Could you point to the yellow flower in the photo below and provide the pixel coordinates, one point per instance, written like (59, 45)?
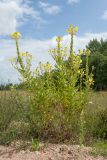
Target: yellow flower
(80, 52)
(78, 71)
(72, 30)
(16, 35)
(88, 52)
(91, 81)
(25, 54)
(47, 67)
(59, 39)
(22, 53)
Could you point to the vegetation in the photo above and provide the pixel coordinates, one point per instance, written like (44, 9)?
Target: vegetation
(100, 148)
(13, 124)
(98, 59)
(6, 86)
(58, 98)
(56, 104)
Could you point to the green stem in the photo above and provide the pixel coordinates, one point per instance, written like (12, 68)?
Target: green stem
(18, 54)
(71, 45)
(71, 49)
(81, 137)
(87, 73)
(58, 52)
(59, 47)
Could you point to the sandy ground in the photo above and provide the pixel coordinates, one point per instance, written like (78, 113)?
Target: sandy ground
(51, 152)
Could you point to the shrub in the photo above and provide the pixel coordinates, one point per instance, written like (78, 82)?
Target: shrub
(57, 95)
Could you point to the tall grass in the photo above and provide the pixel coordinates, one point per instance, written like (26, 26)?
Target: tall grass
(13, 108)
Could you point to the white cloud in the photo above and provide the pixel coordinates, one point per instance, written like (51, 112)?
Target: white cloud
(104, 16)
(73, 1)
(13, 13)
(39, 49)
(49, 8)
(81, 41)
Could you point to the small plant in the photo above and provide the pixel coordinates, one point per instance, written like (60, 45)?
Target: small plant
(35, 145)
(100, 149)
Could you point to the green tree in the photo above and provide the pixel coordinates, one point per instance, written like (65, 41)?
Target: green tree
(94, 46)
(98, 60)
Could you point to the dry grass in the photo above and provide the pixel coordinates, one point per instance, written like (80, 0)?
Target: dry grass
(98, 99)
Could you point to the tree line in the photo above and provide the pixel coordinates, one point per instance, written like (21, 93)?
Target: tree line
(98, 63)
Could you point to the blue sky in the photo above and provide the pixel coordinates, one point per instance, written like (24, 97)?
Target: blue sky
(87, 14)
(40, 21)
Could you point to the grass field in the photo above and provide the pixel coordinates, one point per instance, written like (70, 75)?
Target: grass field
(98, 99)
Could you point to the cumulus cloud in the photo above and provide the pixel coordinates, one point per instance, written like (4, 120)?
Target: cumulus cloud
(13, 13)
(49, 8)
(73, 1)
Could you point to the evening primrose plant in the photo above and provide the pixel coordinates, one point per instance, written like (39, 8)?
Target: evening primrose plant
(22, 63)
(58, 93)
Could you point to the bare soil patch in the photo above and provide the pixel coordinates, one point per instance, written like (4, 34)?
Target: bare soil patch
(51, 152)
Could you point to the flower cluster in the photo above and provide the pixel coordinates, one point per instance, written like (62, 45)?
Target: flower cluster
(47, 67)
(25, 54)
(72, 30)
(16, 35)
(59, 39)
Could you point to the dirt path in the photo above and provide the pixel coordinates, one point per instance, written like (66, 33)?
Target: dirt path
(52, 152)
